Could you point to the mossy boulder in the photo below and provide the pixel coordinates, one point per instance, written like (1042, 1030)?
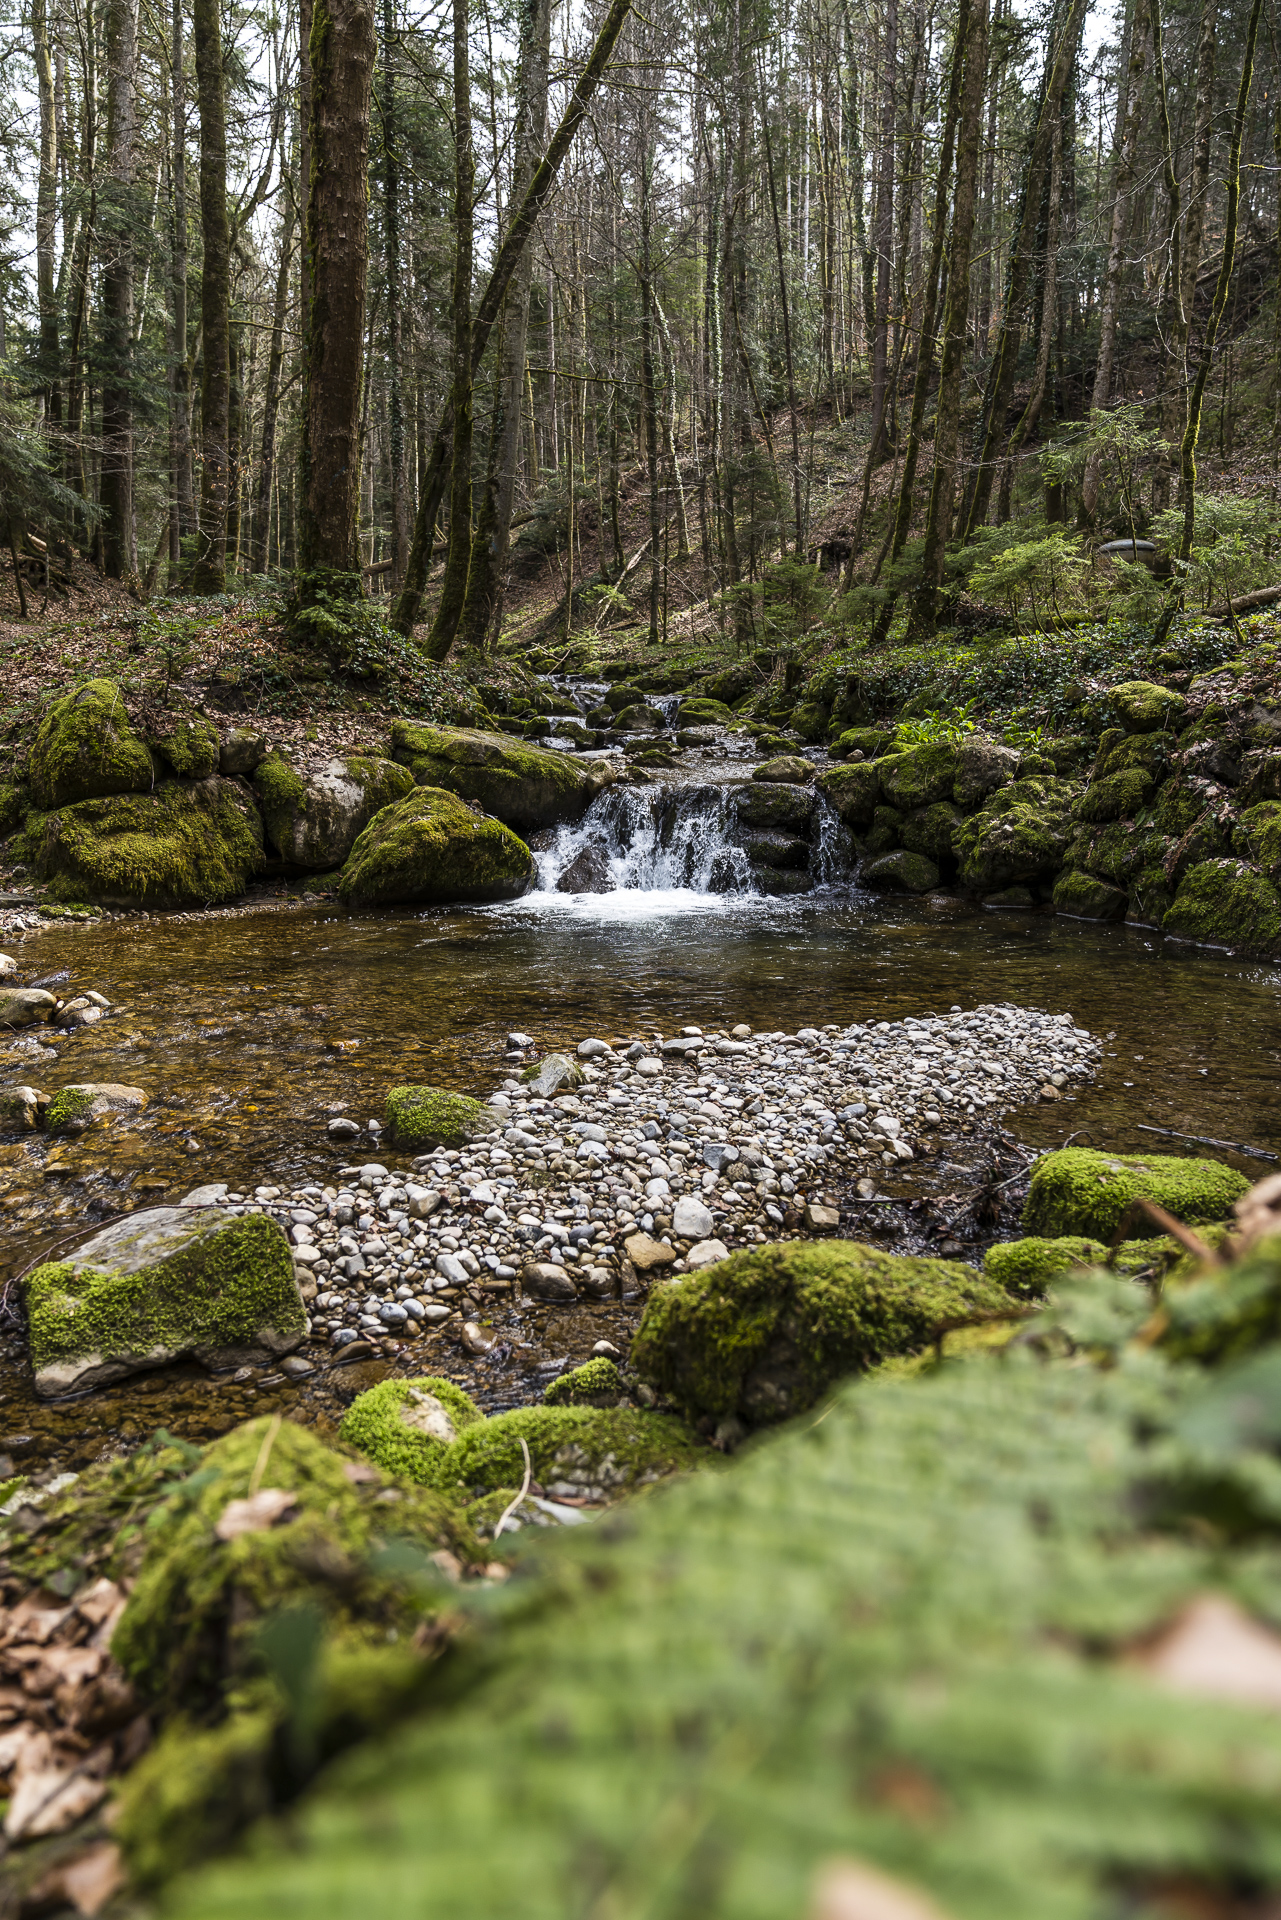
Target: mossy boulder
(1120, 752)
(852, 791)
(931, 830)
(185, 845)
(785, 808)
(423, 1117)
(522, 786)
(1084, 897)
(1260, 778)
(188, 745)
(900, 872)
(242, 750)
(1081, 1191)
(982, 765)
(789, 769)
(639, 718)
(157, 1286)
(703, 712)
(74, 1109)
(15, 804)
(811, 720)
(597, 1383)
(886, 832)
(1028, 1267)
(1151, 897)
(313, 819)
(1223, 903)
(85, 749)
(766, 849)
(1258, 838)
(1181, 803)
(918, 776)
(870, 742)
(763, 1334)
(1117, 796)
(1117, 850)
(1143, 707)
(1020, 835)
(577, 1451)
(403, 1425)
(432, 849)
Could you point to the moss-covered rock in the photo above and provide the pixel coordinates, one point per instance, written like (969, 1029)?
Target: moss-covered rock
(763, 1334)
(1151, 896)
(188, 745)
(403, 1425)
(786, 809)
(918, 776)
(1083, 897)
(423, 1117)
(85, 748)
(640, 718)
(75, 1108)
(885, 834)
(1143, 707)
(1120, 752)
(853, 792)
(157, 1285)
(900, 872)
(15, 804)
(597, 1383)
(1117, 851)
(1258, 838)
(788, 770)
(1223, 903)
(811, 719)
(931, 831)
(579, 1451)
(313, 819)
(1204, 840)
(181, 846)
(522, 786)
(1260, 777)
(1027, 1267)
(700, 711)
(871, 742)
(1080, 1191)
(982, 765)
(766, 849)
(242, 750)
(431, 848)
(1180, 804)
(1118, 796)
(1020, 835)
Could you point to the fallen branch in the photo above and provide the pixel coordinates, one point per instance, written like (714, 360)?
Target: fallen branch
(1247, 602)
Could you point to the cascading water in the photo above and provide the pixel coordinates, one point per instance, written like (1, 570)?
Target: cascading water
(649, 840)
(835, 854)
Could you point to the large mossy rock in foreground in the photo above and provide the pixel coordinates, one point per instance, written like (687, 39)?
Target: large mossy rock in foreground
(160, 1285)
(523, 786)
(181, 846)
(431, 849)
(763, 1334)
(313, 819)
(1020, 835)
(1081, 1191)
(423, 1117)
(925, 1630)
(85, 748)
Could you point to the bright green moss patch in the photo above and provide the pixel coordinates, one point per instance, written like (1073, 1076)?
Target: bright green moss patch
(918, 776)
(522, 785)
(422, 1117)
(431, 848)
(68, 1110)
(763, 1334)
(181, 846)
(1142, 707)
(189, 747)
(853, 791)
(597, 1383)
(1221, 903)
(613, 1449)
(403, 1425)
(1081, 1191)
(85, 748)
(1020, 834)
(1027, 1267)
(1117, 796)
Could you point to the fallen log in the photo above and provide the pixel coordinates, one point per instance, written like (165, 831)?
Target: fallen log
(1248, 602)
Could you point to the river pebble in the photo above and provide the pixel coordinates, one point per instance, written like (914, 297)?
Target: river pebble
(691, 1144)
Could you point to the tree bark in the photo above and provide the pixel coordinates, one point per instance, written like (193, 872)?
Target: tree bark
(180, 402)
(395, 370)
(342, 48)
(119, 541)
(453, 590)
(46, 215)
(271, 391)
(210, 571)
(883, 239)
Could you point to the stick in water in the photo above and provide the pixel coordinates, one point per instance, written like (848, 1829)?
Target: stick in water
(1204, 1140)
(509, 1511)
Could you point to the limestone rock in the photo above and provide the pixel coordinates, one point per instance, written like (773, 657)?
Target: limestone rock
(313, 819)
(20, 1108)
(1081, 1191)
(853, 791)
(547, 1281)
(75, 1108)
(521, 785)
(1142, 707)
(85, 748)
(821, 1219)
(706, 1254)
(161, 1285)
(784, 808)
(982, 765)
(8, 966)
(918, 776)
(243, 749)
(647, 1254)
(691, 1220)
(24, 1006)
(901, 872)
(1224, 903)
(639, 719)
(1020, 835)
(552, 1073)
(431, 848)
(788, 770)
(1083, 897)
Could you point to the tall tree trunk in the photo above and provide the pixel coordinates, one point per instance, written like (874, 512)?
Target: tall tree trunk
(342, 51)
(1128, 120)
(453, 590)
(180, 400)
(1045, 331)
(210, 571)
(883, 239)
(792, 408)
(46, 215)
(482, 606)
(395, 369)
(75, 468)
(119, 541)
(649, 384)
(271, 393)
(1185, 254)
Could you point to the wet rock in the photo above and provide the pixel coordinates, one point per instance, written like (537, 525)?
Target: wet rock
(901, 872)
(593, 1050)
(243, 749)
(431, 848)
(421, 1117)
(8, 966)
(982, 765)
(162, 1284)
(1010, 900)
(84, 1011)
(341, 1128)
(776, 850)
(788, 770)
(85, 749)
(521, 785)
(931, 830)
(783, 808)
(544, 1280)
(647, 1254)
(588, 872)
(1083, 897)
(1224, 903)
(183, 845)
(75, 1108)
(24, 1006)
(699, 710)
(313, 819)
(853, 792)
(20, 1108)
(639, 719)
(782, 881)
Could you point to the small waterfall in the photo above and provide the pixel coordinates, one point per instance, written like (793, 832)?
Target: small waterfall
(833, 859)
(648, 840)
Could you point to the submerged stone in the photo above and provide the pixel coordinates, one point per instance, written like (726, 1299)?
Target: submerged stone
(160, 1285)
(85, 749)
(431, 848)
(521, 785)
(1080, 1191)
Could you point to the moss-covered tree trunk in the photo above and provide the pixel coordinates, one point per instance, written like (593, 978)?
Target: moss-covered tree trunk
(119, 539)
(341, 56)
(209, 575)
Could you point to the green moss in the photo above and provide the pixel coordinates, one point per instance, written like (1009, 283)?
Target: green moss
(697, 709)
(521, 785)
(1222, 903)
(181, 846)
(1142, 707)
(282, 793)
(1179, 805)
(918, 776)
(1020, 834)
(615, 1448)
(15, 803)
(931, 831)
(900, 872)
(403, 1424)
(811, 720)
(869, 741)
(1026, 1267)
(765, 1333)
(1084, 898)
(85, 748)
(69, 1111)
(1081, 1191)
(853, 791)
(422, 1117)
(886, 832)
(189, 747)
(1118, 851)
(214, 1291)
(431, 848)
(597, 1383)
(1123, 753)
(786, 808)
(1117, 796)
(1258, 838)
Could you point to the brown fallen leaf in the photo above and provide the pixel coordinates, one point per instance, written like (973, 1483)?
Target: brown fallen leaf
(1215, 1649)
(262, 1511)
(32, 1622)
(96, 1602)
(13, 1741)
(56, 1665)
(92, 1879)
(851, 1890)
(46, 1797)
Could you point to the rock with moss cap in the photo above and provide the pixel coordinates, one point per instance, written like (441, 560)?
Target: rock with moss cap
(597, 1383)
(432, 849)
(1143, 707)
(181, 846)
(1117, 796)
(521, 785)
(788, 770)
(900, 872)
(161, 1285)
(869, 742)
(593, 1453)
(982, 765)
(785, 808)
(243, 749)
(1081, 1191)
(1224, 903)
(762, 1335)
(1081, 896)
(853, 791)
(74, 1109)
(313, 819)
(403, 1425)
(701, 711)
(423, 1117)
(931, 831)
(918, 776)
(85, 748)
(187, 744)
(1027, 1267)
(1020, 835)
